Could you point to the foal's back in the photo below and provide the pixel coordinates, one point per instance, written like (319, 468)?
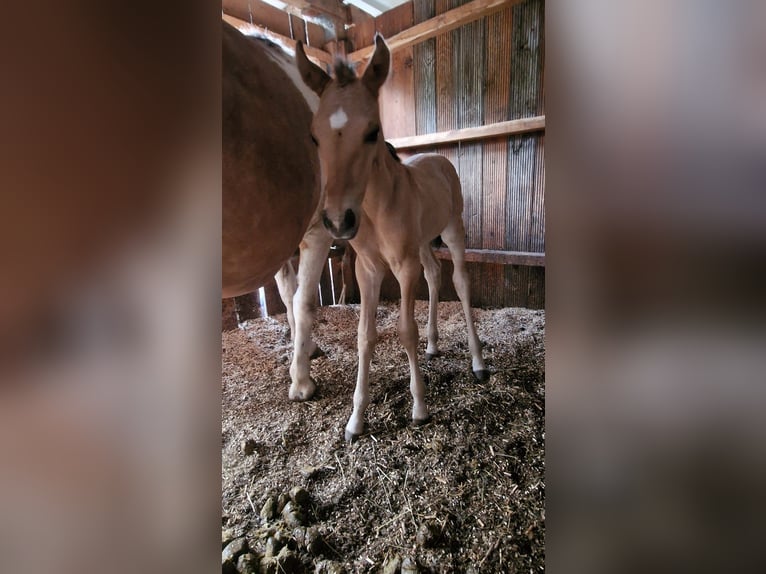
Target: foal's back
(438, 188)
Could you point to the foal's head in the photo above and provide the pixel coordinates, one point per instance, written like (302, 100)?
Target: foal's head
(346, 129)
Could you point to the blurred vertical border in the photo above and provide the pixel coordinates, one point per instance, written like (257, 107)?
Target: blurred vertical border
(656, 171)
(110, 286)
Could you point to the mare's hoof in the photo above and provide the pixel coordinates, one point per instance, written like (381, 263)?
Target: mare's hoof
(430, 356)
(482, 375)
(316, 354)
(421, 422)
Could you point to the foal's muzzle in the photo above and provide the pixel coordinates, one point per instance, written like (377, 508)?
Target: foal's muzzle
(346, 229)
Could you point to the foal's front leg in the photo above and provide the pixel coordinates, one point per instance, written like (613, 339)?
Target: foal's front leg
(369, 276)
(314, 248)
(407, 274)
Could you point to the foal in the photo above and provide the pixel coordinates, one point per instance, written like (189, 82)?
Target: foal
(390, 212)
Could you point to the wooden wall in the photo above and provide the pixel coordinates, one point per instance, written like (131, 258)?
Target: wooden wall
(487, 71)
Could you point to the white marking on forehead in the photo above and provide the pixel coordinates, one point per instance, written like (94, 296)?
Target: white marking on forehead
(338, 119)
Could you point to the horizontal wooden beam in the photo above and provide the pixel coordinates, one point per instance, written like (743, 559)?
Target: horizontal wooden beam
(438, 25)
(499, 257)
(319, 56)
(509, 128)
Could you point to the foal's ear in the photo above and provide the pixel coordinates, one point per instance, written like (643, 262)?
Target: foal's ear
(377, 70)
(313, 76)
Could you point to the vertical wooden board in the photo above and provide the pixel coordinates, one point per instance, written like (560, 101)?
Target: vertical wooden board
(397, 97)
(495, 280)
(469, 74)
(497, 78)
(477, 281)
(515, 279)
(467, 103)
(424, 77)
(526, 60)
(541, 65)
(521, 159)
(445, 64)
(317, 36)
(395, 20)
(496, 104)
(537, 215)
(248, 306)
(422, 10)
(470, 160)
(494, 194)
(362, 31)
(536, 297)
(228, 315)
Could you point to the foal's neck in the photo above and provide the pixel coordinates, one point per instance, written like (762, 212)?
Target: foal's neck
(385, 172)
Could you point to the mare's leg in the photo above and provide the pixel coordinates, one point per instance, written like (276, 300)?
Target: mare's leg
(432, 268)
(407, 274)
(287, 284)
(369, 275)
(454, 237)
(314, 249)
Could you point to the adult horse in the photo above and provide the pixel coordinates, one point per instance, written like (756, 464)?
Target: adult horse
(271, 183)
(390, 212)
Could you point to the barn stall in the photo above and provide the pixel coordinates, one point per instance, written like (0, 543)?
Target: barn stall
(464, 492)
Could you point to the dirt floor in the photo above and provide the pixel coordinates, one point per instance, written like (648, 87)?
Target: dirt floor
(463, 493)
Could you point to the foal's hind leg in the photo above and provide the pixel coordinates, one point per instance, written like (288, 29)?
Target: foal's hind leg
(407, 273)
(314, 249)
(454, 237)
(432, 268)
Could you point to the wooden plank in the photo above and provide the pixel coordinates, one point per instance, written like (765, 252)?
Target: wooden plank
(438, 25)
(319, 56)
(397, 96)
(526, 60)
(317, 10)
(496, 256)
(510, 127)
(521, 188)
(446, 89)
(496, 104)
(362, 30)
(229, 319)
(424, 66)
(469, 103)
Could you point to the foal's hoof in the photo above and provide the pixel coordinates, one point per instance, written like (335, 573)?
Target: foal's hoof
(300, 393)
(430, 356)
(482, 375)
(421, 422)
(350, 436)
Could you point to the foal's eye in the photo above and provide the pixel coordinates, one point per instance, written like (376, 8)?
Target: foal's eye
(372, 136)
(313, 139)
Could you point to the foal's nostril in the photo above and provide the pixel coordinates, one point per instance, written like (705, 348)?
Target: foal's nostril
(326, 221)
(349, 220)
